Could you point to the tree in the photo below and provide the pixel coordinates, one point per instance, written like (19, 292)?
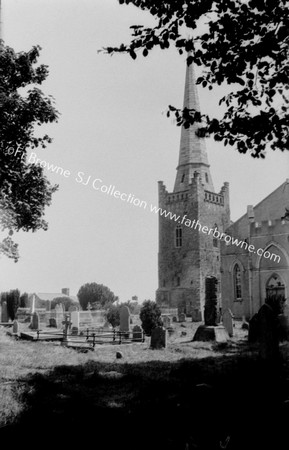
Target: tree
(65, 301)
(25, 191)
(113, 315)
(133, 306)
(13, 301)
(23, 301)
(150, 316)
(94, 293)
(244, 43)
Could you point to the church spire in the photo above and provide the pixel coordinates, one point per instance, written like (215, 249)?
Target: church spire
(193, 156)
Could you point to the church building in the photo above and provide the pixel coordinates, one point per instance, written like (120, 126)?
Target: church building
(190, 220)
(188, 250)
(249, 277)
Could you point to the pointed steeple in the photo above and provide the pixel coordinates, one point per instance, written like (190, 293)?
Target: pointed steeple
(193, 156)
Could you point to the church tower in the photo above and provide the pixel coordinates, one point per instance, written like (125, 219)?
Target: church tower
(189, 251)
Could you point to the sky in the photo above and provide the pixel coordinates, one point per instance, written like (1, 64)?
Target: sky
(113, 127)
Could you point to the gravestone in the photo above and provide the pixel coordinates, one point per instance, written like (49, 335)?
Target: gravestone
(182, 317)
(221, 335)
(166, 321)
(4, 313)
(283, 327)
(59, 316)
(74, 317)
(228, 321)
(74, 331)
(268, 333)
(206, 333)
(196, 315)
(283, 323)
(175, 319)
(286, 310)
(210, 314)
(137, 333)
(124, 316)
(253, 334)
(158, 338)
(52, 322)
(107, 326)
(33, 304)
(35, 321)
(15, 328)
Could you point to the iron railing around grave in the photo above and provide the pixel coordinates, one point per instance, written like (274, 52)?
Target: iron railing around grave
(93, 337)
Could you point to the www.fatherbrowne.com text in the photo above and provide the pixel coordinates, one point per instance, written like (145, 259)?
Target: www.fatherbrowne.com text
(111, 190)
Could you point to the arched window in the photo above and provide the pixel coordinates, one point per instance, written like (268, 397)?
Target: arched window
(179, 236)
(237, 283)
(183, 178)
(275, 286)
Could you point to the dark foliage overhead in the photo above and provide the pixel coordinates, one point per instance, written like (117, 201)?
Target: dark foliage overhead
(25, 191)
(240, 42)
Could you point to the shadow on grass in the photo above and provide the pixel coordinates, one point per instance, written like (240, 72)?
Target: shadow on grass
(232, 402)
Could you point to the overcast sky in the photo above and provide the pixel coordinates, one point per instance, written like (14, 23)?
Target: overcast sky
(112, 127)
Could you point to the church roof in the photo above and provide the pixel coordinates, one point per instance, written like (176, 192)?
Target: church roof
(48, 296)
(271, 207)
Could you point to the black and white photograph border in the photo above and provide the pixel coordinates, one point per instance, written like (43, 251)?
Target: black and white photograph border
(144, 212)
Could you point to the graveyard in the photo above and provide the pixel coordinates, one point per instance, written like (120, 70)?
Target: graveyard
(175, 393)
(70, 371)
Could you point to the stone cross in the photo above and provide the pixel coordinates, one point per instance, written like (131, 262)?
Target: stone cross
(67, 323)
(33, 304)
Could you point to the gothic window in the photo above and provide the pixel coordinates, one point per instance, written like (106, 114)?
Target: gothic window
(275, 286)
(207, 178)
(178, 280)
(179, 236)
(237, 283)
(183, 178)
(164, 283)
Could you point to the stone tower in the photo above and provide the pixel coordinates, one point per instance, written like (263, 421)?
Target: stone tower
(188, 250)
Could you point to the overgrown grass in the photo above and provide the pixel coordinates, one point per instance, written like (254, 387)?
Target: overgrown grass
(171, 394)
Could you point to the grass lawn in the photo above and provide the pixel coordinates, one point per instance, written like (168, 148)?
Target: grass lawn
(188, 396)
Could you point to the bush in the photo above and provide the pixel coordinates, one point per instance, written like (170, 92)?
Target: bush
(98, 295)
(13, 301)
(150, 316)
(277, 303)
(65, 301)
(112, 316)
(24, 300)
